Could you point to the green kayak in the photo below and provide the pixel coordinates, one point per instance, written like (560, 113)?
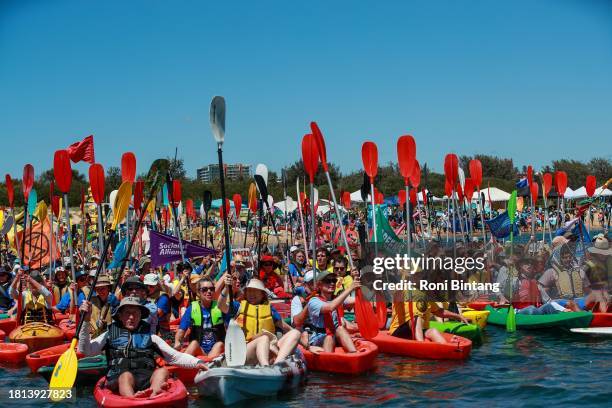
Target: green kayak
(469, 331)
(90, 370)
(3, 316)
(568, 320)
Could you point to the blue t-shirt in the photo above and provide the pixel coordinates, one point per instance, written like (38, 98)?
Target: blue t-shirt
(316, 317)
(163, 303)
(236, 308)
(64, 302)
(294, 271)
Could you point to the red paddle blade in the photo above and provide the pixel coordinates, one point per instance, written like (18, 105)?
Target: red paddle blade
(379, 198)
(448, 189)
(381, 314)
(237, 204)
(468, 188)
(225, 209)
(413, 197)
(138, 194)
(476, 172)
(529, 175)
(310, 156)
(366, 319)
(253, 198)
(316, 132)
(534, 191)
(547, 183)
(406, 156)
(561, 182)
(10, 191)
(55, 207)
(401, 196)
(451, 168)
(346, 199)
(415, 177)
(96, 182)
(591, 183)
(424, 196)
(62, 170)
(369, 156)
(176, 193)
(128, 167)
(28, 180)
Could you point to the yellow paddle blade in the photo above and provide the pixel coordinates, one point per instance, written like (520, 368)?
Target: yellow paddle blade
(122, 203)
(41, 211)
(65, 371)
(151, 208)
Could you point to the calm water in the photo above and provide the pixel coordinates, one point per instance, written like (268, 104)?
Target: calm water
(525, 368)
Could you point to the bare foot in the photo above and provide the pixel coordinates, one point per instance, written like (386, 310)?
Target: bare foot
(315, 349)
(141, 393)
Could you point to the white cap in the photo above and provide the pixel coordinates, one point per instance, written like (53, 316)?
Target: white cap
(16, 268)
(293, 249)
(92, 273)
(309, 276)
(151, 279)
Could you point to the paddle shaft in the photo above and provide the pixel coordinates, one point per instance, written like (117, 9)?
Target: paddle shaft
(374, 216)
(313, 231)
(342, 232)
(408, 233)
(225, 226)
(100, 232)
(69, 228)
(297, 185)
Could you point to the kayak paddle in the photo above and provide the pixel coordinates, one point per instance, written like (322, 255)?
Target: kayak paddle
(406, 156)
(65, 371)
(235, 342)
(310, 158)
(511, 321)
(366, 319)
(369, 157)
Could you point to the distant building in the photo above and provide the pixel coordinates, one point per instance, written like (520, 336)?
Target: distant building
(210, 173)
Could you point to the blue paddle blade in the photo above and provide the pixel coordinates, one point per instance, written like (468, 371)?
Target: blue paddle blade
(165, 195)
(32, 201)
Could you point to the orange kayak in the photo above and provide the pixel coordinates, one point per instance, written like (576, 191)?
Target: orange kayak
(342, 362)
(459, 349)
(8, 325)
(174, 396)
(46, 357)
(37, 335)
(68, 327)
(601, 320)
(13, 353)
(2, 335)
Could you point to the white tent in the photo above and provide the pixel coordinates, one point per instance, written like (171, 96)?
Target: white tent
(578, 193)
(291, 205)
(356, 197)
(607, 192)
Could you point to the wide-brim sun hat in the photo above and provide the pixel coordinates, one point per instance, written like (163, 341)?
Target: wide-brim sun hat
(601, 246)
(132, 301)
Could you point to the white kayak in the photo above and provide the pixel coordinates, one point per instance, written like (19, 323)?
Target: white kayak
(593, 330)
(231, 385)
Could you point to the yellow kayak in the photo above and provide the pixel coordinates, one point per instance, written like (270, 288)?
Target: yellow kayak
(477, 317)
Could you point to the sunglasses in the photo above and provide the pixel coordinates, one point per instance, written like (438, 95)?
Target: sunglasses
(207, 289)
(131, 288)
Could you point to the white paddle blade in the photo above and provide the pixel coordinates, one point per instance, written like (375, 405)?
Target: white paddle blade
(217, 118)
(262, 170)
(462, 178)
(316, 196)
(111, 199)
(235, 345)
(270, 202)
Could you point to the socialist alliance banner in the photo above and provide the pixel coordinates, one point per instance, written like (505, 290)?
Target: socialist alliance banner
(165, 248)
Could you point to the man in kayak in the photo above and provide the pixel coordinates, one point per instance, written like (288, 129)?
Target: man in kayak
(60, 284)
(564, 281)
(259, 321)
(133, 286)
(162, 301)
(6, 301)
(67, 299)
(131, 350)
(598, 268)
(323, 311)
(101, 300)
(206, 322)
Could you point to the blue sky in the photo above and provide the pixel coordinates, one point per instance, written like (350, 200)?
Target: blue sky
(529, 80)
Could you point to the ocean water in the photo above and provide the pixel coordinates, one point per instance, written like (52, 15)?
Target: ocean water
(526, 368)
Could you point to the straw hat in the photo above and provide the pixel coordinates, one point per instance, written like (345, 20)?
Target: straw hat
(601, 246)
(103, 280)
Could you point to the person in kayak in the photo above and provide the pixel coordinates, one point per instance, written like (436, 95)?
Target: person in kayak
(101, 300)
(322, 308)
(68, 298)
(60, 284)
(323, 260)
(36, 298)
(7, 303)
(131, 350)
(206, 322)
(133, 286)
(404, 313)
(269, 276)
(598, 268)
(528, 292)
(162, 301)
(340, 267)
(260, 321)
(564, 281)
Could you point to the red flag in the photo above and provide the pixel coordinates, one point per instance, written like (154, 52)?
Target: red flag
(82, 151)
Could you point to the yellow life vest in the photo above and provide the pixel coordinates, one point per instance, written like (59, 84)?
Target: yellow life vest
(35, 310)
(569, 283)
(98, 326)
(58, 293)
(255, 318)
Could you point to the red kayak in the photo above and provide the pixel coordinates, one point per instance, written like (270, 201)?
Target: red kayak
(2, 335)
(58, 317)
(601, 320)
(13, 353)
(47, 357)
(174, 396)
(8, 325)
(458, 348)
(481, 305)
(342, 362)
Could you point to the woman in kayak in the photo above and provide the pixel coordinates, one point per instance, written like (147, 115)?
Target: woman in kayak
(260, 321)
(323, 310)
(269, 276)
(36, 298)
(420, 312)
(206, 322)
(60, 284)
(131, 351)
